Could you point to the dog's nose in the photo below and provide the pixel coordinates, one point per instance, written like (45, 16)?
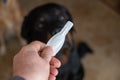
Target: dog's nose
(55, 31)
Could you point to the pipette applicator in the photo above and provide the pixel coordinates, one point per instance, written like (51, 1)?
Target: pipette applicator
(57, 41)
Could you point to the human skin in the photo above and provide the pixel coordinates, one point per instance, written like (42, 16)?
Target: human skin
(35, 62)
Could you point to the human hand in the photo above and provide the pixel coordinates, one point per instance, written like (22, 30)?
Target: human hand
(35, 62)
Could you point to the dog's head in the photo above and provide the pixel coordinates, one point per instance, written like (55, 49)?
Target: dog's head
(45, 21)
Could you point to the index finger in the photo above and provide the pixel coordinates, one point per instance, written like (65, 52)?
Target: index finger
(37, 46)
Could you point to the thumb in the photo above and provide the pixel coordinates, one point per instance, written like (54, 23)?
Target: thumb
(47, 53)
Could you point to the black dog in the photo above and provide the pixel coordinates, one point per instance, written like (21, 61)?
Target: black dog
(73, 69)
(45, 21)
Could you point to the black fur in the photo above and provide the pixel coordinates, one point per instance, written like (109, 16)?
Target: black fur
(83, 48)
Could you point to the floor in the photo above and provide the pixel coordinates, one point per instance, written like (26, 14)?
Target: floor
(95, 24)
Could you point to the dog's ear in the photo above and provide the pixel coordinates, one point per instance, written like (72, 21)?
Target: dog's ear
(25, 29)
(83, 48)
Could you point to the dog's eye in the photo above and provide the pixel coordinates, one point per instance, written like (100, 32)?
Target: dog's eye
(60, 15)
(62, 18)
(42, 19)
(40, 25)
(57, 12)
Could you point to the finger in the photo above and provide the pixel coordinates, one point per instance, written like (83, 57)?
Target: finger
(53, 71)
(52, 77)
(55, 62)
(47, 53)
(36, 45)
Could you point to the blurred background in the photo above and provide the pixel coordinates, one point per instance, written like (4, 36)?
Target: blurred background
(97, 22)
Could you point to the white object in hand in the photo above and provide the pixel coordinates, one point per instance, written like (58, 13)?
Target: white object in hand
(57, 41)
